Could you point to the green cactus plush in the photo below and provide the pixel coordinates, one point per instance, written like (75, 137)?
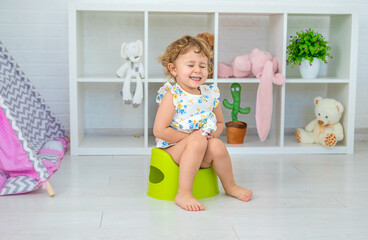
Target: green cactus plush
(235, 92)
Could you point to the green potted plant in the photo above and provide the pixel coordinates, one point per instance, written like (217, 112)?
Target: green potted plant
(235, 130)
(306, 49)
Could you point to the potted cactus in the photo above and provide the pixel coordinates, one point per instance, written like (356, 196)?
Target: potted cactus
(235, 130)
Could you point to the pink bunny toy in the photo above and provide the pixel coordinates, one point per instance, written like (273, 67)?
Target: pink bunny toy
(239, 67)
(264, 67)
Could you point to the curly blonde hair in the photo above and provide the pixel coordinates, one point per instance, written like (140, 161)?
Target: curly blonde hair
(181, 46)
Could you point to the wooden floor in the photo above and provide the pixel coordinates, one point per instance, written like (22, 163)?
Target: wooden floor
(295, 197)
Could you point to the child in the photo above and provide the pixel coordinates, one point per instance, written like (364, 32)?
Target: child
(189, 120)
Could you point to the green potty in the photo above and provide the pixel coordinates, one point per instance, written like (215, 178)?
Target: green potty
(164, 178)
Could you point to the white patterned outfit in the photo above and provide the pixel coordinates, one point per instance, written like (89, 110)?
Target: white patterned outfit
(192, 111)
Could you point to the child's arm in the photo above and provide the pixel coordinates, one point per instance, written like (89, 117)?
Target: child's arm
(164, 116)
(220, 121)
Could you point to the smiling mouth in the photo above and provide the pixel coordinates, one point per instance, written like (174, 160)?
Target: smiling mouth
(197, 79)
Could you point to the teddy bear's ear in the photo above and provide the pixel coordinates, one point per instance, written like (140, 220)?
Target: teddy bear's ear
(317, 100)
(340, 107)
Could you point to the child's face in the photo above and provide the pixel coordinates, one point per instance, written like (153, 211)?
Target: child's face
(190, 70)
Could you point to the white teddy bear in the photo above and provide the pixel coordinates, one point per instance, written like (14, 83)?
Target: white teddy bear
(326, 128)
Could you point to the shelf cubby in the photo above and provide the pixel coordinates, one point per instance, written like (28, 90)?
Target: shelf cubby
(165, 27)
(248, 99)
(101, 105)
(100, 35)
(262, 31)
(299, 114)
(337, 30)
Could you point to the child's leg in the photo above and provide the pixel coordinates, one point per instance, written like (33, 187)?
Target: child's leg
(218, 156)
(188, 154)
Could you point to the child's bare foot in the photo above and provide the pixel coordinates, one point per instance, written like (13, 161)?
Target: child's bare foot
(240, 193)
(188, 202)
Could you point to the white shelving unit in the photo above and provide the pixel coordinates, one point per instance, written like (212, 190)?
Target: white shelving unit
(101, 124)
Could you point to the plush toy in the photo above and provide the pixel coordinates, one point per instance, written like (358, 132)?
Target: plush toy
(240, 67)
(235, 106)
(326, 128)
(132, 53)
(264, 67)
(235, 130)
(209, 38)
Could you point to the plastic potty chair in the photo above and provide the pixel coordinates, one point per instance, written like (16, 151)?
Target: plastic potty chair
(164, 178)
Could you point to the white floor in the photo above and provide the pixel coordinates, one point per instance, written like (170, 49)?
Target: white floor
(295, 197)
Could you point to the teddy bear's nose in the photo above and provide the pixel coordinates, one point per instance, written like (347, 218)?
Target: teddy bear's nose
(320, 122)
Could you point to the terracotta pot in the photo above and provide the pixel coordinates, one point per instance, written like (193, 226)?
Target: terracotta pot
(235, 132)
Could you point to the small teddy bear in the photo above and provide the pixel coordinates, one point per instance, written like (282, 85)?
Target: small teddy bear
(210, 39)
(326, 128)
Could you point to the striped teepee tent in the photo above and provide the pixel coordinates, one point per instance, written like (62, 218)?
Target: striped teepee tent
(32, 140)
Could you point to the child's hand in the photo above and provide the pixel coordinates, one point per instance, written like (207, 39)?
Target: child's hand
(210, 135)
(199, 131)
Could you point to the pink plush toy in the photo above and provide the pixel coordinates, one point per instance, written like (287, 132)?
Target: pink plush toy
(239, 67)
(263, 66)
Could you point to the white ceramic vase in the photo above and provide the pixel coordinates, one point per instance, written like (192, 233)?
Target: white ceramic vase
(308, 70)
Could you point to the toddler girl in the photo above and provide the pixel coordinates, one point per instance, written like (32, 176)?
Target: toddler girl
(189, 120)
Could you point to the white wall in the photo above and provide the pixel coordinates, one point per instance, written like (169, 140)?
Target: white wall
(36, 34)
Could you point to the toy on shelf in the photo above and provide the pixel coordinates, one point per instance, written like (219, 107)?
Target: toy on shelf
(264, 67)
(325, 129)
(132, 53)
(209, 38)
(240, 67)
(235, 130)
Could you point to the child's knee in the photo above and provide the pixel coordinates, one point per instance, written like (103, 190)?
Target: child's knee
(197, 142)
(217, 143)
(217, 146)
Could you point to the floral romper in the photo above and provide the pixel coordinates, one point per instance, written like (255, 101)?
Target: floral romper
(192, 111)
